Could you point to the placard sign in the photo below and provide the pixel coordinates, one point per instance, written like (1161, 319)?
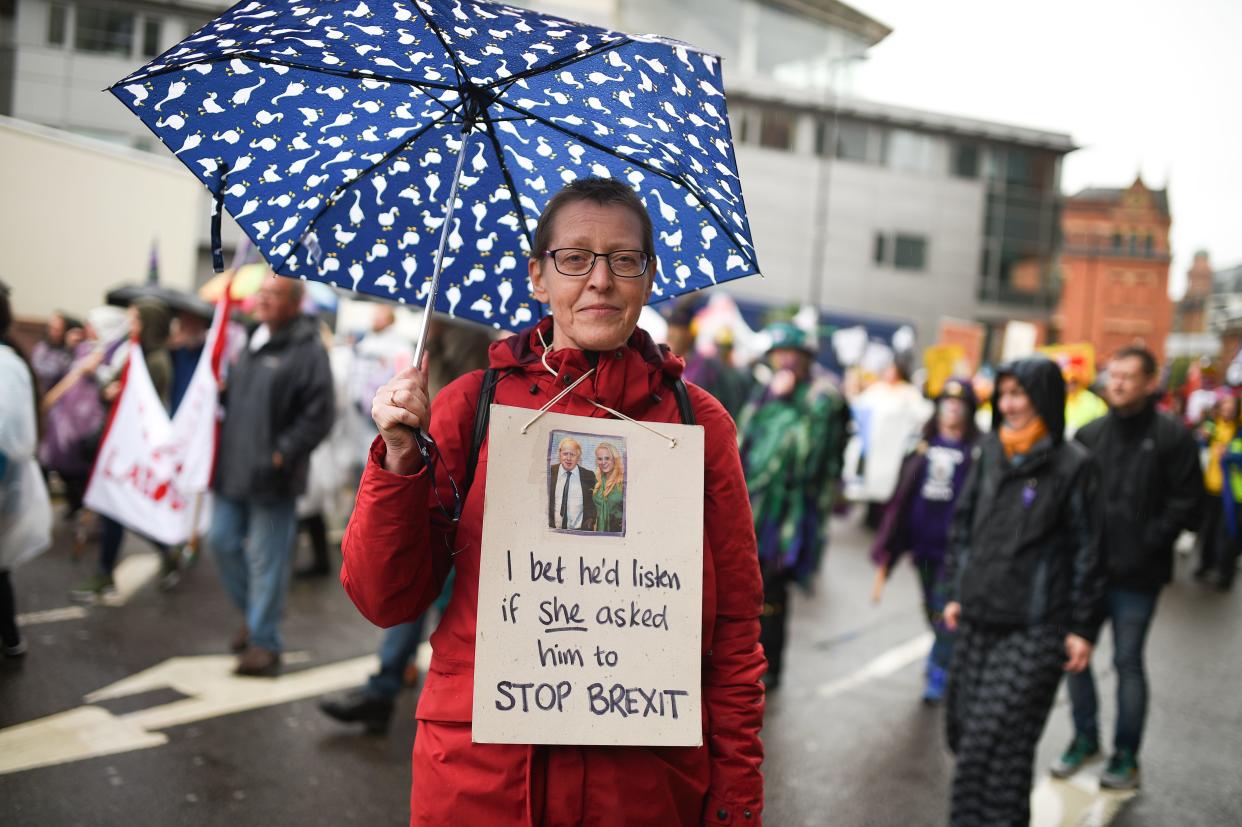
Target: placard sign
(591, 583)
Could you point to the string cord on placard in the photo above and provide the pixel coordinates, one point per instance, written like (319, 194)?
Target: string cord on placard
(672, 441)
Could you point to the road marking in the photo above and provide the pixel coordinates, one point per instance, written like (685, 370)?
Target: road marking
(85, 732)
(212, 689)
(1076, 802)
(891, 661)
(51, 616)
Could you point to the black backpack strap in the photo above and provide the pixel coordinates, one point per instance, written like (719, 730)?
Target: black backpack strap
(683, 403)
(482, 414)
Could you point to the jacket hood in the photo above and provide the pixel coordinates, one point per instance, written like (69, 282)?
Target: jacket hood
(1041, 379)
(631, 378)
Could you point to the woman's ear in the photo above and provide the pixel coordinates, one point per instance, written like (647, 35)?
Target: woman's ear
(535, 271)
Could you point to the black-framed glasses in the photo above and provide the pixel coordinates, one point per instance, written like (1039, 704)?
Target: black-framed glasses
(576, 262)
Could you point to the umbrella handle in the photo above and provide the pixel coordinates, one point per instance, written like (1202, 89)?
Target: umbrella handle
(421, 344)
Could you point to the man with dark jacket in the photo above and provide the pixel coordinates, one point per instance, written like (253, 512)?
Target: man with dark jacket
(1151, 486)
(277, 408)
(570, 504)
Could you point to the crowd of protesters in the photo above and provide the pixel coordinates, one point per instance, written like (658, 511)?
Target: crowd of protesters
(1036, 504)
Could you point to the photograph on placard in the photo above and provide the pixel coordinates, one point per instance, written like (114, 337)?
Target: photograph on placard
(586, 483)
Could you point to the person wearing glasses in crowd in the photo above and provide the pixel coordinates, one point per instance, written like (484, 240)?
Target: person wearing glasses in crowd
(593, 264)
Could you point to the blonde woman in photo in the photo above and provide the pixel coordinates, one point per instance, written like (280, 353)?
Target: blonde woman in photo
(609, 492)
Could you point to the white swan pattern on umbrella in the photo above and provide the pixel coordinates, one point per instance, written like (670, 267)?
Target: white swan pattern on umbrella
(332, 130)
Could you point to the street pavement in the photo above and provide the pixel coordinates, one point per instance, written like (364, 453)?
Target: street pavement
(127, 713)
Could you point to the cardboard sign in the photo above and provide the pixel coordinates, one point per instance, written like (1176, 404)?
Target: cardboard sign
(591, 583)
(969, 336)
(942, 363)
(1077, 359)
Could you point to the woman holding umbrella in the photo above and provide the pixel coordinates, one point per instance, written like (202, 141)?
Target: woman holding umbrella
(593, 263)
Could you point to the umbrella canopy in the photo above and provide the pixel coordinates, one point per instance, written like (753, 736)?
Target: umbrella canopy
(246, 281)
(176, 300)
(333, 132)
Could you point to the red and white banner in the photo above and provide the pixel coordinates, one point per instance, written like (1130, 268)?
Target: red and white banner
(150, 469)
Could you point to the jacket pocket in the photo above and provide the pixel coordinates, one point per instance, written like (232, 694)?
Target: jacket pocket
(266, 478)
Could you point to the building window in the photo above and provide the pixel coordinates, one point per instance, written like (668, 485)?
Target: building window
(851, 140)
(739, 125)
(1117, 242)
(776, 129)
(104, 31)
(910, 252)
(150, 36)
(1133, 245)
(965, 163)
(1019, 167)
(877, 254)
(57, 22)
(1150, 245)
(911, 151)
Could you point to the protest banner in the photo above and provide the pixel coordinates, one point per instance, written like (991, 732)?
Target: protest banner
(151, 471)
(942, 363)
(591, 583)
(969, 336)
(1076, 359)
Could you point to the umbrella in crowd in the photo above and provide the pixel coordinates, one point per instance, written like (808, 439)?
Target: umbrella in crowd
(369, 145)
(176, 300)
(244, 281)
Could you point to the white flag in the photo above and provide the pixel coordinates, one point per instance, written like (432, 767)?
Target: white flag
(151, 468)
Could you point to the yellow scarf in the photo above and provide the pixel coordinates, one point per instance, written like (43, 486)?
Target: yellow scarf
(1022, 440)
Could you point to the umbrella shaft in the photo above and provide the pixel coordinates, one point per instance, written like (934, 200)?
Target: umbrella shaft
(421, 345)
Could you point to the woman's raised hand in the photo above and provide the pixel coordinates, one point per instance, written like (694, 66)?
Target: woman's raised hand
(400, 407)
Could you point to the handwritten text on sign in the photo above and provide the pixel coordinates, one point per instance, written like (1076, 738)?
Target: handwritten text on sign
(587, 636)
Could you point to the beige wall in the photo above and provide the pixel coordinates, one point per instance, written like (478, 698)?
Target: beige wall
(78, 217)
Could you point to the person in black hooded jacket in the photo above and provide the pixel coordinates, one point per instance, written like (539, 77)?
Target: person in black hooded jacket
(1026, 583)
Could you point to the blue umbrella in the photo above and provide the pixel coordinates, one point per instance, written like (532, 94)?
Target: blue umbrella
(373, 148)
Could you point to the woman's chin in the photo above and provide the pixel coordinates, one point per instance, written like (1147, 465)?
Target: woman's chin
(599, 340)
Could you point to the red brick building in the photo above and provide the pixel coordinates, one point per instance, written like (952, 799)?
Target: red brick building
(1190, 314)
(1115, 269)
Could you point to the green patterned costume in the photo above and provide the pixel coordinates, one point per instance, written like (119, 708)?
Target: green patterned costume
(792, 454)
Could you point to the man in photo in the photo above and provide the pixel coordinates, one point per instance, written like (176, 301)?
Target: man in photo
(570, 502)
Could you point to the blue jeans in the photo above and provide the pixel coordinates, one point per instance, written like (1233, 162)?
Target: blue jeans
(1130, 612)
(253, 544)
(396, 651)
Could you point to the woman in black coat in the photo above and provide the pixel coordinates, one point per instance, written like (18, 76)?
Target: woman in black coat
(1027, 589)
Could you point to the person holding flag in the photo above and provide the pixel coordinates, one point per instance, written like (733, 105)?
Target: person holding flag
(150, 324)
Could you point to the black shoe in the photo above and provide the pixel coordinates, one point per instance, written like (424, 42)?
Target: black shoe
(373, 712)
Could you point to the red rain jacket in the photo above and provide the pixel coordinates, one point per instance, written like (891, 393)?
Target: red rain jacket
(396, 562)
